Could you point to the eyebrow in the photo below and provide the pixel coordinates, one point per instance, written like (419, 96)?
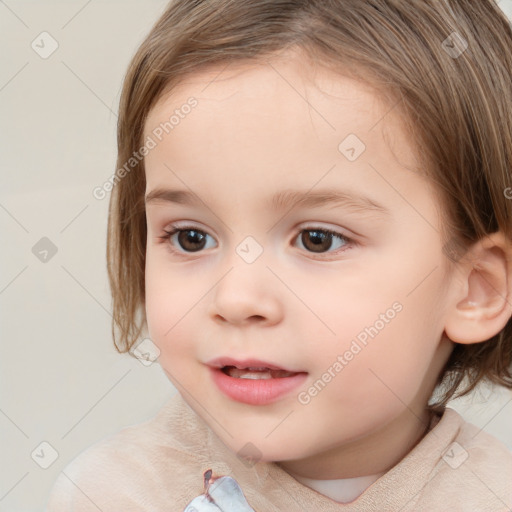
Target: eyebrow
(283, 200)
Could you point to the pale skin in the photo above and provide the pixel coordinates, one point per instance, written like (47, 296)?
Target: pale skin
(253, 133)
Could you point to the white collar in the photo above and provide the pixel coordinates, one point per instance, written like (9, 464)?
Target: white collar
(343, 490)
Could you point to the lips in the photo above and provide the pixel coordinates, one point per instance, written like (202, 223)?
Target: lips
(253, 381)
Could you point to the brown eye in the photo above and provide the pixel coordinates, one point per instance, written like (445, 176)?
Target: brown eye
(182, 240)
(320, 240)
(191, 240)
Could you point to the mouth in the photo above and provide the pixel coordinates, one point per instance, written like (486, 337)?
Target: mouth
(253, 381)
(255, 373)
(251, 369)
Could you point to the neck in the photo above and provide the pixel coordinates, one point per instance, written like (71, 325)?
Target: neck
(373, 454)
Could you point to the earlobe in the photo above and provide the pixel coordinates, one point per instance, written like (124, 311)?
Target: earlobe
(482, 303)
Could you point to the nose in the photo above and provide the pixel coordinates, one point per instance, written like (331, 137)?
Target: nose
(247, 295)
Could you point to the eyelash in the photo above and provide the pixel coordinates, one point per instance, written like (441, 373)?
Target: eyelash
(349, 242)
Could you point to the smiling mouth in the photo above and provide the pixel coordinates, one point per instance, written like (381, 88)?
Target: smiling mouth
(255, 373)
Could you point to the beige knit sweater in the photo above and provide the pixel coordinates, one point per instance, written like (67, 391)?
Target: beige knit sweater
(158, 466)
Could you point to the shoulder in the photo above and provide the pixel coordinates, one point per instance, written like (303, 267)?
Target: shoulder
(479, 449)
(472, 466)
(487, 457)
(137, 467)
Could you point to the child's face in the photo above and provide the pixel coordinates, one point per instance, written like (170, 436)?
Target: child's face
(364, 319)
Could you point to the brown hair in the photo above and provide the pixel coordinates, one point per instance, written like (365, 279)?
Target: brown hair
(457, 105)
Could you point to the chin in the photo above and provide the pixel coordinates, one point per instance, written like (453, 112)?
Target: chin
(268, 453)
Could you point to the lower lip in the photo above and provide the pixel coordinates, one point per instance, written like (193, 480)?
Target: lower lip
(255, 391)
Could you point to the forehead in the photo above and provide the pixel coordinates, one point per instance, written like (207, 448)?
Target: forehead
(281, 120)
(275, 94)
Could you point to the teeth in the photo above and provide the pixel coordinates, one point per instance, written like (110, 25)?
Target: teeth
(253, 373)
(247, 374)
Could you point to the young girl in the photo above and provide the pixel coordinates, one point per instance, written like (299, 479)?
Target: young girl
(312, 218)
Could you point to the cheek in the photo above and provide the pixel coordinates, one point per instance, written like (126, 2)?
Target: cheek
(169, 301)
(376, 384)
(387, 331)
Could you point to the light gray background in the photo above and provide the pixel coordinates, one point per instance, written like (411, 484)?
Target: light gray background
(61, 381)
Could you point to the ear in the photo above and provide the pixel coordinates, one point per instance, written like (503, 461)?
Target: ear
(482, 299)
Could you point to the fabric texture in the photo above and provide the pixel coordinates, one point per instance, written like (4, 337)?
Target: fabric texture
(158, 466)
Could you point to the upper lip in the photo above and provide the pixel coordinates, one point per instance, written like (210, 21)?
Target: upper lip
(242, 364)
